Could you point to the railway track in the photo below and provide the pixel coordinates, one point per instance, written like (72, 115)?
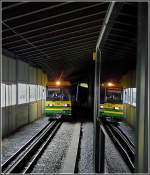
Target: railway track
(26, 157)
(123, 143)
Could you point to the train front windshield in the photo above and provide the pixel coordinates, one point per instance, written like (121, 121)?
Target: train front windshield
(113, 96)
(58, 95)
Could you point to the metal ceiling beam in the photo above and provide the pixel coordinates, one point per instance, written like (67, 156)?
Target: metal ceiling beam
(125, 45)
(120, 36)
(54, 16)
(51, 38)
(63, 66)
(122, 30)
(105, 23)
(107, 50)
(74, 58)
(64, 40)
(64, 54)
(23, 38)
(111, 16)
(86, 40)
(13, 5)
(124, 23)
(59, 52)
(65, 47)
(66, 28)
(34, 12)
(54, 62)
(115, 47)
(85, 51)
(128, 15)
(62, 44)
(56, 24)
(119, 42)
(62, 51)
(20, 35)
(73, 48)
(131, 4)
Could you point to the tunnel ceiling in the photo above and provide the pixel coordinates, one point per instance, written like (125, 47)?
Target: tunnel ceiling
(61, 37)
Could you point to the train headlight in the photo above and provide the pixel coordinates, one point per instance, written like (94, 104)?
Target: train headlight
(50, 105)
(65, 105)
(102, 106)
(117, 108)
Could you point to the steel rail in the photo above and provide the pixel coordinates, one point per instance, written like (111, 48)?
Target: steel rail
(18, 156)
(125, 147)
(126, 142)
(22, 162)
(124, 135)
(41, 150)
(12, 158)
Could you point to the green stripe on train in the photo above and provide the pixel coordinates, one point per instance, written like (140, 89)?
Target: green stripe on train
(55, 112)
(49, 107)
(110, 109)
(112, 113)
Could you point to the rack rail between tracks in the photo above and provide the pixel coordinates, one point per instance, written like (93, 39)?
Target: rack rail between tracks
(26, 157)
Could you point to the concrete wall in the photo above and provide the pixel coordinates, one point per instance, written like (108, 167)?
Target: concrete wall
(22, 110)
(128, 81)
(32, 105)
(15, 73)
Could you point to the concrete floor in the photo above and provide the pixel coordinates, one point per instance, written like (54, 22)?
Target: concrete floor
(86, 163)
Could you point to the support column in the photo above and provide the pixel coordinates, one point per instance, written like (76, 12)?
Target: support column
(142, 90)
(149, 87)
(98, 133)
(91, 91)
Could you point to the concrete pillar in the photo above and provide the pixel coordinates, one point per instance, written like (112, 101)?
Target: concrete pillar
(99, 141)
(149, 85)
(142, 90)
(91, 92)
